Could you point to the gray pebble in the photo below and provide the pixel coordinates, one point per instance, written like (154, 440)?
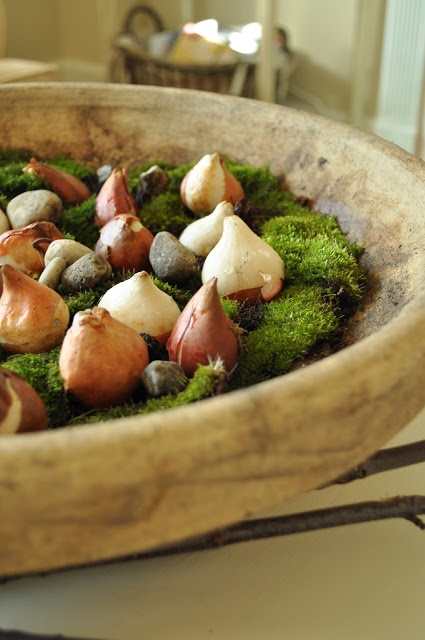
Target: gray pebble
(170, 259)
(85, 273)
(103, 173)
(162, 377)
(34, 206)
(51, 274)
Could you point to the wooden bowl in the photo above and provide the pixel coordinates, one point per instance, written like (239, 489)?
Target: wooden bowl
(81, 495)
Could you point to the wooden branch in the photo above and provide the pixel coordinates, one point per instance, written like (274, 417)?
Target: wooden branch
(406, 507)
(387, 460)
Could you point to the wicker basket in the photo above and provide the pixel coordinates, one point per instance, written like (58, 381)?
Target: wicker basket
(132, 63)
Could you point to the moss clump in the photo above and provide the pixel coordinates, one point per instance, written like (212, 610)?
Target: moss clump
(13, 182)
(75, 168)
(81, 301)
(315, 251)
(41, 371)
(207, 382)
(76, 222)
(292, 324)
(165, 212)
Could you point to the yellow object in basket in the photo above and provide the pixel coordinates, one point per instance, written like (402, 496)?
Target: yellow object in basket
(193, 48)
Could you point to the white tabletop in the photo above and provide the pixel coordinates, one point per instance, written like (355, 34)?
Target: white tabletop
(361, 581)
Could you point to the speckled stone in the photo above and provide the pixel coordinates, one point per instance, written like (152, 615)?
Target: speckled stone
(170, 260)
(162, 377)
(34, 206)
(85, 273)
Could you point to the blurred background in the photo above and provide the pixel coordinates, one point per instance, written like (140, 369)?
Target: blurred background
(360, 61)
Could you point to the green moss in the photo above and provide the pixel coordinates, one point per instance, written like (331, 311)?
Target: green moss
(207, 381)
(165, 212)
(41, 371)
(181, 295)
(292, 324)
(76, 222)
(13, 182)
(75, 168)
(81, 301)
(314, 250)
(230, 307)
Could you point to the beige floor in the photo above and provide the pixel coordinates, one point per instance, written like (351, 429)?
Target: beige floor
(363, 581)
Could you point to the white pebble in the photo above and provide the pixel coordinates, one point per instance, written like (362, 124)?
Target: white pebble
(51, 275)
(69, 250)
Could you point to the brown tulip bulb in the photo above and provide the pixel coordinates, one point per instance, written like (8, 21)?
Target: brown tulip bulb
(101, 359)
(21, 408)
(204, 333)
(67, 186)
(33, 317)
(24, 248)
(125, 243)
(114, 198)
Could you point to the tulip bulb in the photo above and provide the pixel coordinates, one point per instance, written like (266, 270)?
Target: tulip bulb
(202, 235)
(204, 333)
(101, 359)
(24, 248)
(33, 317)
(125, 243)
(243, 264)
(207, 184)
(21, 408)
(141, 305)
(67, 186)
(114, 198)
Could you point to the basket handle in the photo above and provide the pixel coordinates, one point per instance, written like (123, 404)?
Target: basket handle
(139, 9)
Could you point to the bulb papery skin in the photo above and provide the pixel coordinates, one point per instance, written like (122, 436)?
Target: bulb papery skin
(241, 261)
(202, 235)
(21, 408)
(114, 198)
(204, 333)
(141, 305)
(24, 248)
(33, 317)
(101, 359)
(67, 186)
(125, 243)
(207, 184)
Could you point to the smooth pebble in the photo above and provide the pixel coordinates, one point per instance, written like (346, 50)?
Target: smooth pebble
(171, 261)
(34, 206)
(51, 274)
(162, 377)
(85, 273)
(68, 250)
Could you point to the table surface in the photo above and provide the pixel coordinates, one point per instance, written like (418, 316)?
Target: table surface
(359, 581)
